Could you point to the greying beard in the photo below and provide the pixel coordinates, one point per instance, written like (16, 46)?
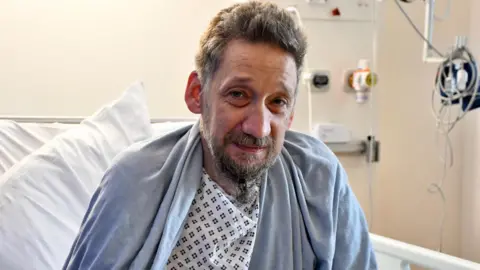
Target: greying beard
(246, 180)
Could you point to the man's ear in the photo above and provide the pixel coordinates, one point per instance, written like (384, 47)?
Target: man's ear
(193, 93)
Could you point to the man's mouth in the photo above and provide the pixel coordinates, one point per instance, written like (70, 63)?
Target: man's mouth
(250, 148)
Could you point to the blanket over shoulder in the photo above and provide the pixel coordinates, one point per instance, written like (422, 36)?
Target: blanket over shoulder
(309, 216)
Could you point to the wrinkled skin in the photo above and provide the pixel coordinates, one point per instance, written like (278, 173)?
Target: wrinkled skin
(246, 108)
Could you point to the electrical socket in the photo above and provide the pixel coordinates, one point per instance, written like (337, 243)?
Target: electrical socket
(317, 80)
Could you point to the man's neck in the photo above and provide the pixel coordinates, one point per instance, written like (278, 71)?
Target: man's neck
(210, 168)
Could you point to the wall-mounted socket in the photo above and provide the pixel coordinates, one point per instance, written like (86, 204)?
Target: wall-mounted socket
(318, 80)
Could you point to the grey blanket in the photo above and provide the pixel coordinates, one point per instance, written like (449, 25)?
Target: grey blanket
(309, 217)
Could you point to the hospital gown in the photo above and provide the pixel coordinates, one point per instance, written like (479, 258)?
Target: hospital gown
(219, 232)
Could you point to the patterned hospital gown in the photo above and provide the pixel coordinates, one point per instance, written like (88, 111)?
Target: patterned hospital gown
(219, 232)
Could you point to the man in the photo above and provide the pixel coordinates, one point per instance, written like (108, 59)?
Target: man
(237, 190)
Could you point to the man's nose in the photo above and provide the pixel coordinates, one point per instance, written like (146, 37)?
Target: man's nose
(258, 122)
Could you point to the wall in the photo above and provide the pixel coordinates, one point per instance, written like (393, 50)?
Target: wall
(70, 57)
(471, 172)
(405, 171)
(60, 53)
(410, 153)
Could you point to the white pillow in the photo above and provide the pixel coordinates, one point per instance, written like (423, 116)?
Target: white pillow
(18, 140)
(44, 197)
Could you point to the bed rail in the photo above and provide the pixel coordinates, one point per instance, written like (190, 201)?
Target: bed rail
(395, 255)
(77, 120)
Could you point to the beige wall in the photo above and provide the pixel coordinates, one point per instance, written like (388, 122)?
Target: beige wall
(56, 54)
(471, 170)
(410, 154)
(59, 53)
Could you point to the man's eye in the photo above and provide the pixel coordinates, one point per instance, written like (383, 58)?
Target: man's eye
(280, 102)
(237, 94)
(237, 98)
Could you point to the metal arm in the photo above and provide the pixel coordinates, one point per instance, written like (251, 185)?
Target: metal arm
(428, 54)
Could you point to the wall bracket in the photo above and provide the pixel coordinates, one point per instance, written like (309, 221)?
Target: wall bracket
(369, 147)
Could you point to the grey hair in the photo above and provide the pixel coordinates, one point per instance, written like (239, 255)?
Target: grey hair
(254, 22)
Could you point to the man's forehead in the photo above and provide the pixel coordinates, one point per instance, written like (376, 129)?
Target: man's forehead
(241, 60)
(246, 54)
(282, 83)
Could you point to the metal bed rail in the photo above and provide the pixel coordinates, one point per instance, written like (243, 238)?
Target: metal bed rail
(77, 119)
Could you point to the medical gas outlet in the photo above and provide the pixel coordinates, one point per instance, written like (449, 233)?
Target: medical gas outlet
(361, 80)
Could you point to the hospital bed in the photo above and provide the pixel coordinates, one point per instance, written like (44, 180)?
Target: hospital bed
(50, 166)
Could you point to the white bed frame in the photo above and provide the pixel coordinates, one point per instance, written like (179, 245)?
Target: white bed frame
(396, 255)
(391, 254)
(76, 120)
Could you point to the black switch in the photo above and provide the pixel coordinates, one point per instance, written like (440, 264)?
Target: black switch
(320, 80)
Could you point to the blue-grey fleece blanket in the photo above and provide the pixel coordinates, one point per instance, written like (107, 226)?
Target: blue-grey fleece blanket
(309, 217)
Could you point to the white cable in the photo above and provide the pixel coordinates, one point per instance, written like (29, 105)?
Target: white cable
(465, 56)
(410, 21)
(306, 70)
(371, 174)
(443, 117)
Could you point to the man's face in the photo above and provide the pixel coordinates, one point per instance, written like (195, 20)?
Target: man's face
(247, 107)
